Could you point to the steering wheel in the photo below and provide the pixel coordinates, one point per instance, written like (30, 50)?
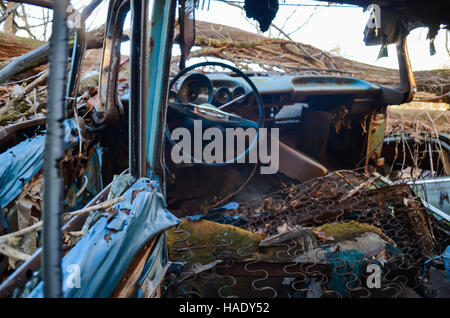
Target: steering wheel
(215, 114)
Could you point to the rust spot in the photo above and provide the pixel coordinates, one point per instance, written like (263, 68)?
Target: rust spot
(126, 211)
(107, 237)
(93, 91)
(91, 103)
(135, 193)
(113, 214)
(152, 43)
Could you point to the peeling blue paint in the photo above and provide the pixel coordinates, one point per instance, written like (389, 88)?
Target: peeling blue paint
(103, 255)
(19, 164)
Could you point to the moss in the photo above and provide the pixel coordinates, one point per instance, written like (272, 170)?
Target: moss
(350, 230)
(89, 82)
(205, 238)
(22, 107)
(7, 117)
(207, 241)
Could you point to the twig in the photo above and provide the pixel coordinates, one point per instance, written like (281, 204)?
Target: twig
(382, 178)
(358, 188)
(13, 102)
(437, 135)
(38, 225)
(345, 179)
(39, 56)
(9, 12)
(430, 99)
(281, 32)
(306, 22)
(24, 80)
(101, 206)
(13, 253)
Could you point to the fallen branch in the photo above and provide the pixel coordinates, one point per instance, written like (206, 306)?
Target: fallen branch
(39, 56)
(232, 44)
(359, 188)
(345, 179)
(41, 3)
(25, 62)
(38, 225)
(12, 103)
(101, 206)
(13, 253)
(23, 80)
(8, 13)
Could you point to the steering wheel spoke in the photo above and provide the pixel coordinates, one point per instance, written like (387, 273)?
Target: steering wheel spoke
(237, 99)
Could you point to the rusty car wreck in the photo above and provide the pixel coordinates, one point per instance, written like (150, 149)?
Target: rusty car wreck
(92, 189)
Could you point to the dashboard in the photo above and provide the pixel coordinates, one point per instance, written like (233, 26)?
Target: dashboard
(318, 91)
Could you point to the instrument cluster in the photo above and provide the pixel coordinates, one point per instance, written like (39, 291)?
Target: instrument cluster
(197, 88)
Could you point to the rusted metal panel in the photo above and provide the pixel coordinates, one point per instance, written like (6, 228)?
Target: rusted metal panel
(186, 37)
(153, 275)
(161, 38)
(375, 137)
(128, 284)
(138, 87)
(108, 107)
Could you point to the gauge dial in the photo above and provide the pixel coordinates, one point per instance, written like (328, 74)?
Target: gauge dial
(237, 91)
(196, 89)
(222, 96)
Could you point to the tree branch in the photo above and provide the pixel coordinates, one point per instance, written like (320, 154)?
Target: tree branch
(12, 103)
(13, 253)
(8, 13)
(40, 3)
(39, 56)
(5, 239)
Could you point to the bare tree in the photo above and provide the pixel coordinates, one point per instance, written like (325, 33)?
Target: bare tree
(29, 19)
(9, 12)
